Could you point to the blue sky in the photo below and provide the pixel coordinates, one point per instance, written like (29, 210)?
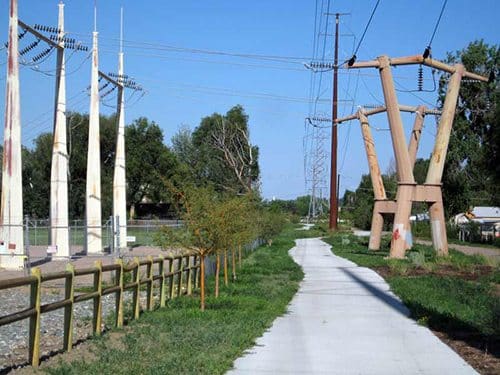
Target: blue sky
(204, 76)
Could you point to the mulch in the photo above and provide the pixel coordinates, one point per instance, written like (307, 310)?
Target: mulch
(472, 274)
(479, 357)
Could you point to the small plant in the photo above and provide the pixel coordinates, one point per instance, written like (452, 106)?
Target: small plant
(423, 321)
(417, 258)
(397, 266)
(345, 240)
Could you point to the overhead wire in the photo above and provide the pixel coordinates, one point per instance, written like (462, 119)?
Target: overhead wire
(165, 47)
(353, 58)
(427, 51)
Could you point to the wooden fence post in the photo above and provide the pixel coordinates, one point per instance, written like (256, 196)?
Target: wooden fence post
(150, 283)
(119, 295)
(137, 290)
(189, 277)
(98, 298)
(34, 338)
(171, 270)
(68, 309)
(180, 268)
(161, 271)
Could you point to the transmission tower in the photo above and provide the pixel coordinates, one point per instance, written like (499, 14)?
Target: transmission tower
(316, 171)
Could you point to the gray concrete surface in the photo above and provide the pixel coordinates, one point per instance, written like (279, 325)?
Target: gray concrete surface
(345, 320)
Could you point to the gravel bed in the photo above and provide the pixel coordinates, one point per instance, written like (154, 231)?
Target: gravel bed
(14, 336)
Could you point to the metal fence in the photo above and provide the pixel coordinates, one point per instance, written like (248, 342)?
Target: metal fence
(37, 235)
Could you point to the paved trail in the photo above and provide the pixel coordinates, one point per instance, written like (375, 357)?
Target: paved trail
(344, 320)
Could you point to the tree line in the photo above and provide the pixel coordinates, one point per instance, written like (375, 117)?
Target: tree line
(218, 152)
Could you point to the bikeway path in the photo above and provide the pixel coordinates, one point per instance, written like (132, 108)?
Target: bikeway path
(345, 320)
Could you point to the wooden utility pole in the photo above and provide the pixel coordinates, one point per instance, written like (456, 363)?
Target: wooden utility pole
(408, 190)
(334, 204)
(383, 206)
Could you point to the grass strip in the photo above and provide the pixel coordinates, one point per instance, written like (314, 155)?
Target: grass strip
(182, 339)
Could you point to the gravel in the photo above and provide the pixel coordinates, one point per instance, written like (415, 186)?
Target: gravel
(14, 336)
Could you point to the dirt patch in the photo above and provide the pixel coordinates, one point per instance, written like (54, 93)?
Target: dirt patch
(482, 360)
(472, 274)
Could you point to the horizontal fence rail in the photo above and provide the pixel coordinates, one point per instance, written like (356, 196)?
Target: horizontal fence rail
(180, 273)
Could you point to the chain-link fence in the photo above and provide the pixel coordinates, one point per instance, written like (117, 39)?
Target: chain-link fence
(139, 232)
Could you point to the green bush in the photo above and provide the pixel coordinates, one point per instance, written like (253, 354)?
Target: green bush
(271, 223)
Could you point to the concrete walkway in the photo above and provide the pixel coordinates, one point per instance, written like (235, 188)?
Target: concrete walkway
(344, 320)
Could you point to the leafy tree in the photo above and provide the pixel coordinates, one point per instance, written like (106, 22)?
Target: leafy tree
(148, 161)
(197, 207)
(78, 125)
(219, 152)
(360, 202)
(183, 147)
(271, 223)
(472, 170)
(36, 177)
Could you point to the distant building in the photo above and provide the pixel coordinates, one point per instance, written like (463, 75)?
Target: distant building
(487, 220)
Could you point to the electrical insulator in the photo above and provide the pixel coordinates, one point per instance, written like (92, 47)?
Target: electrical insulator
(22, 34)
(420, 78)
(427, 52)
(352, 60)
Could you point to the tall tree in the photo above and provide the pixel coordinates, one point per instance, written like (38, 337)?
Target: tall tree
(36, 177)
(148, 161)
(223, 153)
(472, 170)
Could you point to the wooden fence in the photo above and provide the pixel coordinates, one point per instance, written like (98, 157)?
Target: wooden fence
(182, 271)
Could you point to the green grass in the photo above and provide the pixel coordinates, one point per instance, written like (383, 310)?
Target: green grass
(182, 339)
(448, 294)
(451, 304)
(144, 236)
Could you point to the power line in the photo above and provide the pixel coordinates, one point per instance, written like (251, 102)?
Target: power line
(347, 139)
(427, 51)
(353, 58)
(165, 47)
(266, 66)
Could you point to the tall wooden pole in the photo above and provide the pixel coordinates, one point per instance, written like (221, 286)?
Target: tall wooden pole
(406, 181)
(59, 233)
(438, 157)
(334, 204)
(377, 183)
(416, 132)
(11, 211)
